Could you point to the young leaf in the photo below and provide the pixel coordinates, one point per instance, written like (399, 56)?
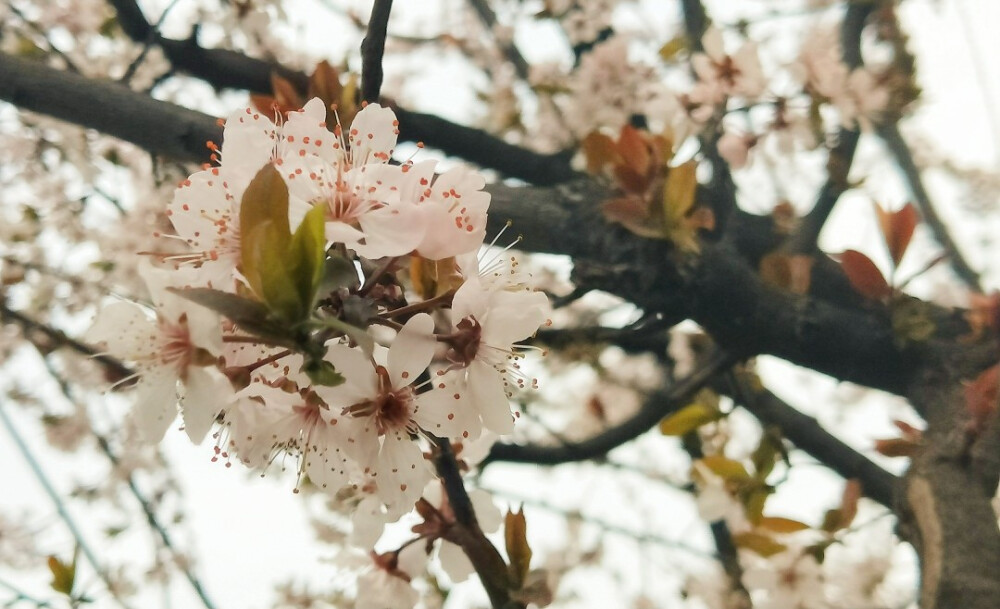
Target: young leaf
(306, 254)
(672, 47)
(864, 275)
(727, 469)
(678, 198)
(264, 228)
(515, 536)
(777, 524)
(758, 543)
(599, 150)
(688, 419)
(897, 229)
(63, 575)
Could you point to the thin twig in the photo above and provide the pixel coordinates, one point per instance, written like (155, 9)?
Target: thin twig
(605, 526)
(660, 404)
(372, 49)
(59, 339)
(64, 514)
(488, 18)
(904, 159)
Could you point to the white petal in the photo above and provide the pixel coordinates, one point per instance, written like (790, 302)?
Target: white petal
(368, 522)
(127, 330)
(454, 562)
(401, 469)
(412, 350)
(442, 414)
(205, 395)
(392, 231)
(490, 398)
(360, 383)
(487, 513)
(373, 135)
(156, 402)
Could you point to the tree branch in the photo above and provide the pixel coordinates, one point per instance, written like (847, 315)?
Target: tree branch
(893, 139)
(657, 406)
(372, 48)
(228, 69)
(841, 156)
(488, 18)
(467, 534)
(808, 435)
(716, 288)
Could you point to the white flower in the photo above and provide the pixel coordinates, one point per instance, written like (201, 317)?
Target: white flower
(384, 411)
(387, 584)
(790, 580)
(453, 206)
(275, 421)
(179, 345)
(362, 192)
(739, 74)
(490, 314)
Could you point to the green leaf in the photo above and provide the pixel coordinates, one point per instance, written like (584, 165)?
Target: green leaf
(767, 453)
(689, 418)
(678, 198)
(322, 372)
(63, 575)
(515, 536)
(306, 255)
(670, 50)
(339, 272)
(266, 245)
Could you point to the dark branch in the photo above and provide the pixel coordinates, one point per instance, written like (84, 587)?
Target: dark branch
(657, 406)
(466, 532)
(808, 435)
(372, 48)
(228, 69)
(716, 289)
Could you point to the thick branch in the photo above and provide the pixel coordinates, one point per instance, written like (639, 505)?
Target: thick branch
(946, 511)
(228, 69)
(716, 288)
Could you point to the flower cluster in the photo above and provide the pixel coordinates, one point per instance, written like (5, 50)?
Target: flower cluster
(330, 305)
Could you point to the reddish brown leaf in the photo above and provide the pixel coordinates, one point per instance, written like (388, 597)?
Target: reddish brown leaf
(634, 150)
(599, 151)
(864, 275)
(778, 524)
(849, 503)
(897, 447)
(897, 229)
(633, 213)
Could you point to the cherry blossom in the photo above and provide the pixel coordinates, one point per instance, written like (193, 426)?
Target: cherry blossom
(179, 344)
(489, 314)
(379, 399)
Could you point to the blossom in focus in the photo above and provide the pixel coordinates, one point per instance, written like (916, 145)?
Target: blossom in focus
(177, 345)
(381, 404)
(490, 313)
